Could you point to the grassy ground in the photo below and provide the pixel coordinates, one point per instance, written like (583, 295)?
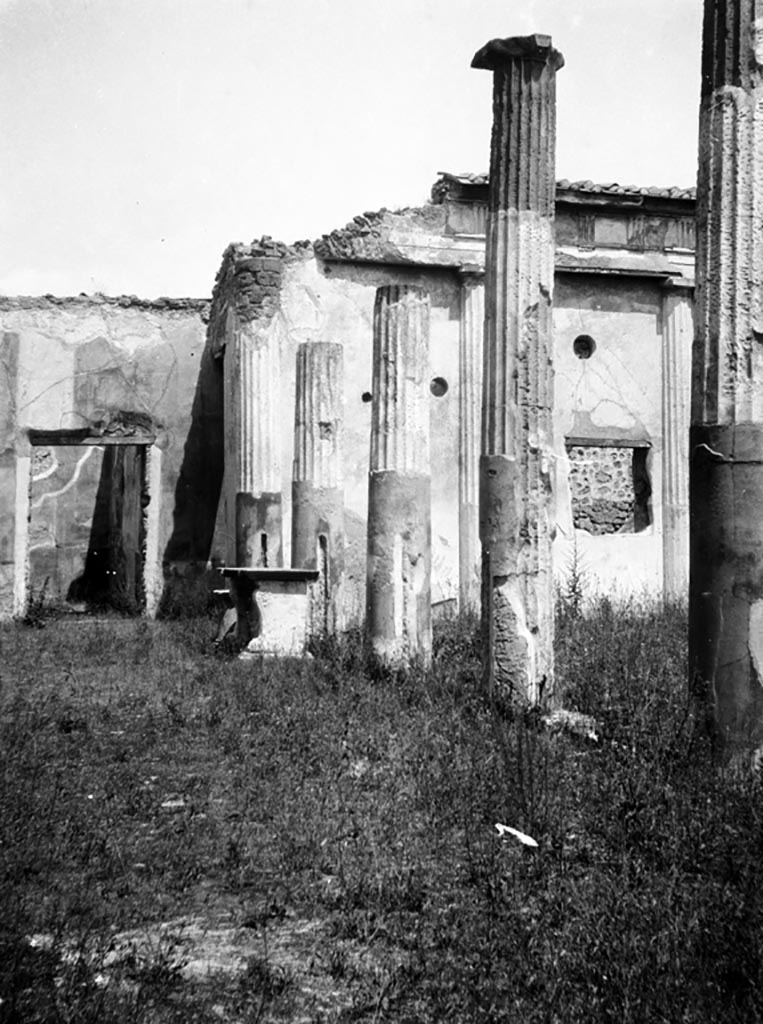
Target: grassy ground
(184, 837)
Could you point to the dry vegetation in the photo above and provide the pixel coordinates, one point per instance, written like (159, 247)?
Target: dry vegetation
(184, 837)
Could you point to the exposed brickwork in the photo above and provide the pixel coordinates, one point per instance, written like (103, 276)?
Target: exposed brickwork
(365, 237)
(13, 302)
(609, 489)
(369, 236)
(249, 280)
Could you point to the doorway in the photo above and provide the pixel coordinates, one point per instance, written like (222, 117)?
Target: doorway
(89, 525)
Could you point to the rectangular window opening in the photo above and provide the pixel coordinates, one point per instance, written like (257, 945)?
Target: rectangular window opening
(609, 486)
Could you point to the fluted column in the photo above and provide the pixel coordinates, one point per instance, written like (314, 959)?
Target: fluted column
(517, 443)
(678, 330)
(470, 408)
(726, 441)
(317, 495)
(399, 487)
(252, 382)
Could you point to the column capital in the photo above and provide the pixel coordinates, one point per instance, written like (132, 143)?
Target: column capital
(685, 285)
(497, 53)
(471, 273)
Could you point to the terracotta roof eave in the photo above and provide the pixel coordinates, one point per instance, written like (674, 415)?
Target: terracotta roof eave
(605, 190)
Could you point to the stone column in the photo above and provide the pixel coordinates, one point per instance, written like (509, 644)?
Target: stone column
(470, 408)
(726, 440)
(399, 614)
(317, 526)
(677, 333)
(517, 443)
(252, 444)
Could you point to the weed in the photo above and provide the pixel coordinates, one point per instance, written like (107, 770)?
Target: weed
(340, 828)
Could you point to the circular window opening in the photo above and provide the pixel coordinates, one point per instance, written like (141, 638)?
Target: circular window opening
(584, 346)
(366, 397)
(438, 386)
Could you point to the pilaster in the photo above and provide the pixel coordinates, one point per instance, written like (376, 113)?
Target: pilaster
(677, 334)
(470, 411)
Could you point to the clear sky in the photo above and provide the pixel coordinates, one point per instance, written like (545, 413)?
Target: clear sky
(141, 136)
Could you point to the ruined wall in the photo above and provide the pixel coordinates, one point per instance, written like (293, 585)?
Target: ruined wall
(119, 365)
(129, 373)
(608, 422)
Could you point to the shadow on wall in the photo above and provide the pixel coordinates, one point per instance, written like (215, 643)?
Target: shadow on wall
(197, 495)
(113, 573)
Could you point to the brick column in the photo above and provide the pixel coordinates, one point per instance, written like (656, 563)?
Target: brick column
(677, 333)
(317, 495)
(469, 412)
(399, 489)
(517, 444)
(726, 441)
(252, 382)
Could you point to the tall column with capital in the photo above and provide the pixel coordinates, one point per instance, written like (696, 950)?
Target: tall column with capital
(516, 464)
(317, 495)
(677, 333)
(398, 613)
(726, 441)
(470, 407)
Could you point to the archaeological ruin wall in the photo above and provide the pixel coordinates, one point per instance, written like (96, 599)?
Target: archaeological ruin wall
(205, 415)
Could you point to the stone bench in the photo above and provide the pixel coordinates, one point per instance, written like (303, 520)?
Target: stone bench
(272, 609)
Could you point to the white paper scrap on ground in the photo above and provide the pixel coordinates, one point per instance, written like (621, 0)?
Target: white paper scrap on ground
(507, 830)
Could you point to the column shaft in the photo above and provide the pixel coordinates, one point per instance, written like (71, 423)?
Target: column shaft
(517, 443)
(726, 441)
(399, 491)
(317, 495)
(252, 435)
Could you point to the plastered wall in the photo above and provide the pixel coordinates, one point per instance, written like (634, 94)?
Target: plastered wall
(611, 401)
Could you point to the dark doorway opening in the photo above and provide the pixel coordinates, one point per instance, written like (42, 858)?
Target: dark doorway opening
(88, 525)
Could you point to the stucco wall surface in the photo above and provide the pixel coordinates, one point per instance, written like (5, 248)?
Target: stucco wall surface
(610, 400)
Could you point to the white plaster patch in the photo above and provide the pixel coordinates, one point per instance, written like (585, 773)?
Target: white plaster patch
(755, 638)
(757, 41)
(49, 495)
(612, 414)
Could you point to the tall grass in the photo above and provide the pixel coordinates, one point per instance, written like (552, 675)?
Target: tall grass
(147, 779)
